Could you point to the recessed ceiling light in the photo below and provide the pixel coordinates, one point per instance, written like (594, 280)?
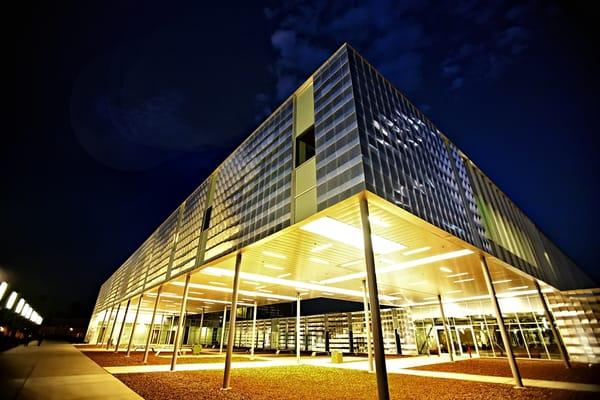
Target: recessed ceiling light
(378, 221)
(402, 266)
(251, 283)
(318, 249)
(217, 283)
(519, 288)
(275, 267)
(464, 280)
(417, 251)
(502, 281)
(284, 275)
(349, 263)
(445, 269)
(350, 235)
(274, 255)
(457, 275)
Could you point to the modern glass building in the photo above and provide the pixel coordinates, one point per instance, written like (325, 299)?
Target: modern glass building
(347, 191)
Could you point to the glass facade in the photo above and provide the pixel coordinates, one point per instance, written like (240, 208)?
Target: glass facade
(367, 136)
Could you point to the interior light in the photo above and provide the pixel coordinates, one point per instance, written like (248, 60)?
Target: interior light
(275, 267)
(274, 255)
(28, 315)
(25, 309)
(284, 275)
(318, 261)
(211, 301)
(464, 280)
(519, 288)
(20, 305)
(350, 235)
(328, 294)
(445, 269)
(502, 281)
(350, 263)
(417, 251)
(401, 266)
(318, 249)
(251, 283)
(457, 275)
(217, 283)
(265, 290)
(293, 284)
(227, 290)
(11, 300)
(378, 221)
(3, 287)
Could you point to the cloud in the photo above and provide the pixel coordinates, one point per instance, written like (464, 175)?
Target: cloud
(401, 39)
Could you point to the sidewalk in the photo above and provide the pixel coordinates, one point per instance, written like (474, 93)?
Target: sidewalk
(56, 371)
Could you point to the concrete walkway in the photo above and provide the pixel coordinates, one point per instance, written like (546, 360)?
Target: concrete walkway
(541, 383)
(56, 371)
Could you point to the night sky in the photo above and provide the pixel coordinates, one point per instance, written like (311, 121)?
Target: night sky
(123, 108)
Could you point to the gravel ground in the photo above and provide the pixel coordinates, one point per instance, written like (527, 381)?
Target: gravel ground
(534, 369)
(306, 382)
(112, 359)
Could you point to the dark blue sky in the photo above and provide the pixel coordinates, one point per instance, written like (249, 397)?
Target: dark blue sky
(123, 109)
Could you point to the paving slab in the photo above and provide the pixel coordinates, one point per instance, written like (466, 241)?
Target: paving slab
(58, 371)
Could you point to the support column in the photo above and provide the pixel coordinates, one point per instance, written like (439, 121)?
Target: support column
(201, 324)
(522, 335)
(450, 342)
(367, 326)
(230, 336)
(137, 313)
(122, 326)
(151, 327)
(178, 334)
(383, 392)
(101, 338)
(494, 300)
(223, 330)
(112, 330)
(298, 328)
(561, 346)
(253, 331)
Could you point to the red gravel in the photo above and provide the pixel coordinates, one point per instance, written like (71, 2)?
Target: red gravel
(112, 359)
(307, 382)
(533, 369)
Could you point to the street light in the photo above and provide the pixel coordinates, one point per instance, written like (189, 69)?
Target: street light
(20, 305)
(3, 287)
(11, 300)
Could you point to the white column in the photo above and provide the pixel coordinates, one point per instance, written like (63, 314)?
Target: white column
(178, 333)
(298, 328)
(151, 325)
(223, 329)
(232, 317)
(253, 331)
(137, 312)
(367, 326)
(496, 307)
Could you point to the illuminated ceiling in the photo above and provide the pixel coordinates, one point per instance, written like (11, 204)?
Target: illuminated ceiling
(322, 256)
